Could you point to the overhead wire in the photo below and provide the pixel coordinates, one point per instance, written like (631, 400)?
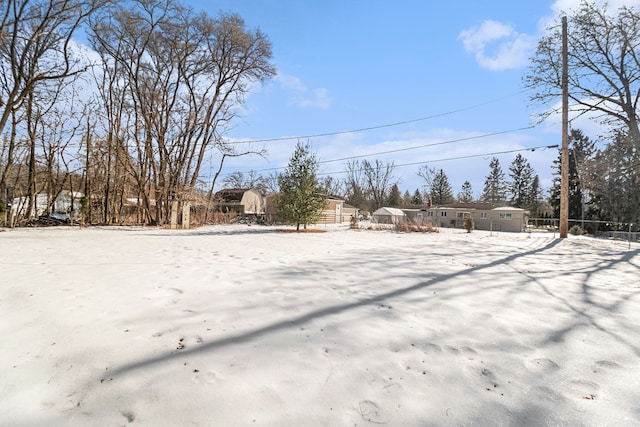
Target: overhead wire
(418, 147)
(382, 126)
(469, 156)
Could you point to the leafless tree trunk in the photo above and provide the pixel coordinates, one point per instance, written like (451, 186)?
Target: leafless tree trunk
(183, 75)
(603, 64)
(378, 179)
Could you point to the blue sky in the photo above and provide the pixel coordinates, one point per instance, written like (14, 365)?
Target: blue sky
(351, 64)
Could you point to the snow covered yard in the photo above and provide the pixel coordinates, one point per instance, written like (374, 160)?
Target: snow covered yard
(238, 326)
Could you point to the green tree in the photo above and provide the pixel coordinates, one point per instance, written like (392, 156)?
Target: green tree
(394, 199)
(613, 181)
(521, 174)
(581, 151)
(469, 225)
(302, 196)
(417, 198)
(535, 197)
(494, 184)
(441, 191)
(466, 193)
(407, 200)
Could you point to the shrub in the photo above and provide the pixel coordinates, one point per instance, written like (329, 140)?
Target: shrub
(468, 223)
(576, 230)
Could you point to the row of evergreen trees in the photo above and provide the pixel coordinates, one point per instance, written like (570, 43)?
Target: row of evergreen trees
(522, 190)
(303, 196)
(604, 186)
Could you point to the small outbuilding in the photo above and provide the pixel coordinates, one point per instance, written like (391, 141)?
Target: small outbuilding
(244, 201)
(389, 216)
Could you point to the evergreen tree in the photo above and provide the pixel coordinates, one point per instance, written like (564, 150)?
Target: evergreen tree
(535, 197)
(614, 182)
(417, 199)
(302, 197)
(469, 224)
(521, 174)
(394, 199)
(406, 198)
(466, 193)
(441, 191)
(581, 150)
(494, 184)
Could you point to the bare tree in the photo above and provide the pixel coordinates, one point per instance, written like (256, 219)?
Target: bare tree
(184, 76)
(251, 179)
(603, 63)
(354, 183)
(378, 180)
(429, 175)
(35, 52)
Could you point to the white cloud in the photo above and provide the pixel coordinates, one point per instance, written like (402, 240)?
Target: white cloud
(498, 46)
(303, 96)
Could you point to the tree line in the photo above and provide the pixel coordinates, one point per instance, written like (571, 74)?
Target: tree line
(130, 120)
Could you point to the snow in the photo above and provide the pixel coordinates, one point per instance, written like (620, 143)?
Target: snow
(239, 325)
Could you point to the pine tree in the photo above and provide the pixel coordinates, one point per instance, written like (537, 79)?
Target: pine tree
(535, 197)
(441, 191)
(302, 197)
(406, 198)
(394, 199)
(581, 150)
(417, 199)
(494, 184)
(466, 193)
(614, 182)
(521, 174)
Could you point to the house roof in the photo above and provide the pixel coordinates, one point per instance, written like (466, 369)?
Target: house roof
(508, 208)
(228, 195)
(389, 211)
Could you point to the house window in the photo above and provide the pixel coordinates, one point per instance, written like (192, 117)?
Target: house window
(430, 213)
(443, 214)
(461, 215)
(484, 215)
(505, 216)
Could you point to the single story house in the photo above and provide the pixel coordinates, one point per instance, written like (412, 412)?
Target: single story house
(486, 216)
(389, 216)
(244, 201)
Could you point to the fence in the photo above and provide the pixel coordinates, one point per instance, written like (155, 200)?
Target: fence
(601, 229)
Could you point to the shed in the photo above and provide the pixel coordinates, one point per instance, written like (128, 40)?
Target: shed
(389, 216)
(246, 201)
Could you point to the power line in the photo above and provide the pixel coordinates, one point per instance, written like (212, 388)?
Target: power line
(457, 158)
(430, 145)
(386, 125)
(409, 148)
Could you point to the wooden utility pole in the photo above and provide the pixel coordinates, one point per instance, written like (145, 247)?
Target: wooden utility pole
(564, 166)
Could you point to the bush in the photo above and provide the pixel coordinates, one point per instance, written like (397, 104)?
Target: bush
(468, 223)
(576, 230)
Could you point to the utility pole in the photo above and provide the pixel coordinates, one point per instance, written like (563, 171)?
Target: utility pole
(564, 166)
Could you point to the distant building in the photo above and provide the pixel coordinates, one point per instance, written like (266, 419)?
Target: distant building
(486, 216)
(66, 202)
(337, 212)
(389, 216)
(244, 201)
